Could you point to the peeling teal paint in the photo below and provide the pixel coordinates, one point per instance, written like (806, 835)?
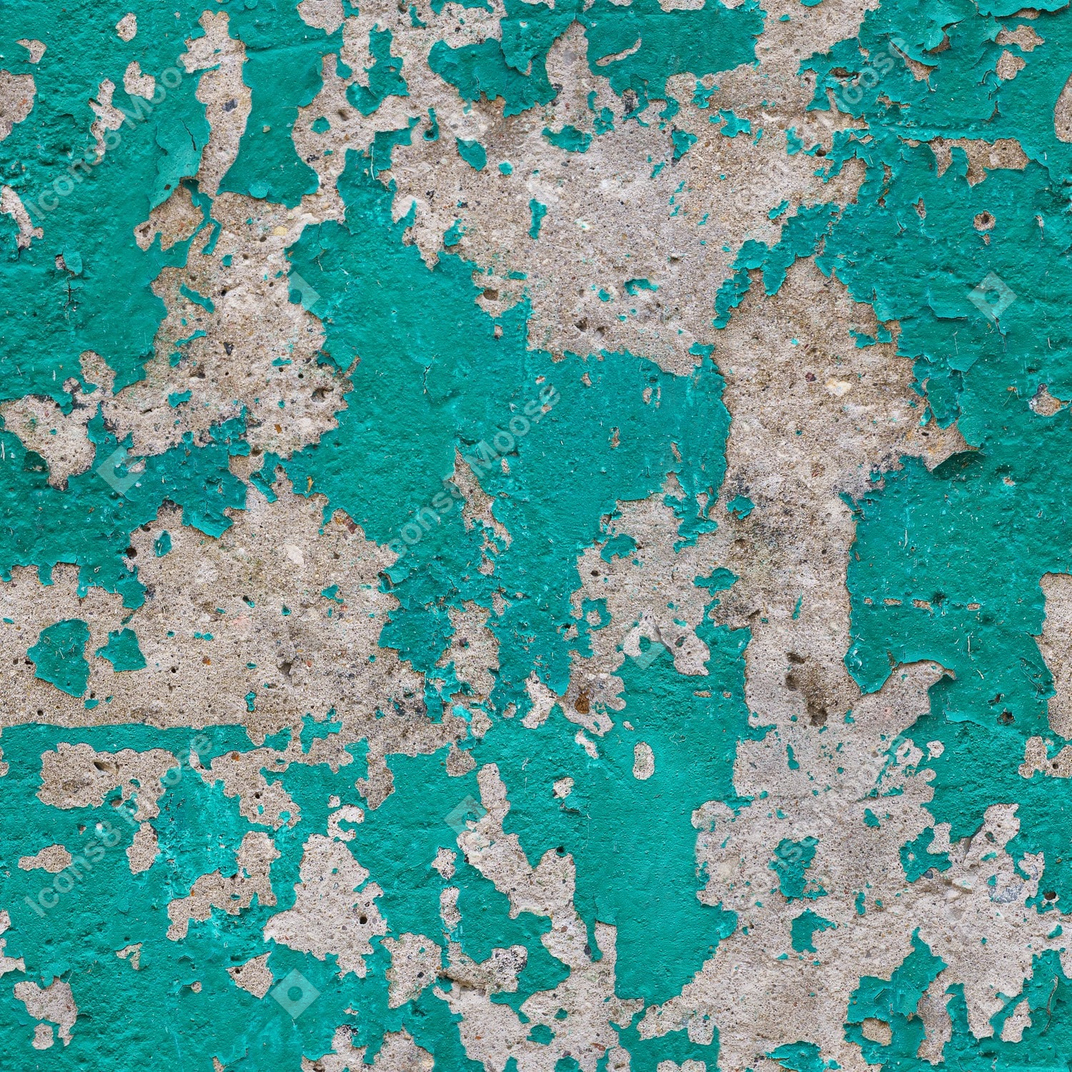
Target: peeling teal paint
(945, 565)
(384, 76)
(538, 211)
(59, 656)
(569, 139)
(792, 859)
(122, 650)
(473, 153)
(802, 928)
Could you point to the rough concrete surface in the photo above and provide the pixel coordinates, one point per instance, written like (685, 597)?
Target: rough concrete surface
(535, 535)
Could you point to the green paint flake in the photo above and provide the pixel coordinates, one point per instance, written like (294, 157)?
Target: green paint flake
(538, 211)
(621, 545)
(453, 234)
(198, 299)
(704, 41)
(740, 506)
(917, 859)
(802, 928)
(802, 1057)
(122, 651)
(682, 141)
(59, 656)
(473, 153)
(481, 72)
(732, 125)
(791, 860)
(110, 502)
(384, 76)
(569, 139)
(268, 166)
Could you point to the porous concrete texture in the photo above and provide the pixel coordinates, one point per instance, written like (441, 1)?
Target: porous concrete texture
(535, 535)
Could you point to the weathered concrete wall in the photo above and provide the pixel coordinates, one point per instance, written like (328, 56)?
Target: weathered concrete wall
(534, 536)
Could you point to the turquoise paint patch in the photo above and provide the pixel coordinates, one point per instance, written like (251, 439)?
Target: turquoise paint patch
(480, 71)
(405, 281)
(801, 1057)
(732, 125)
(682, 142)
(538, 211)
(473, 153)
(792, 859)
(802, 928)
(961, 525)
(704, 41)
(740, 506)
(59, 656)
(917, 859)
(384, 76)
(453, 234)
(569, 139)
(123, 651)
(268, 166)
(514, 68)
(198, 299)
(312, 730)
